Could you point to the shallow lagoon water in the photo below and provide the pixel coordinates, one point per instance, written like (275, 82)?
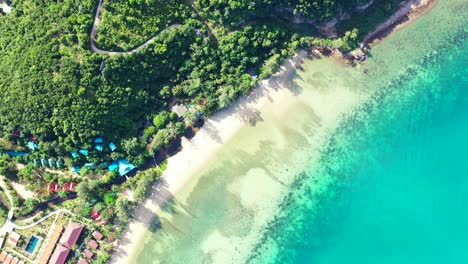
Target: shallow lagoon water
(388, 185)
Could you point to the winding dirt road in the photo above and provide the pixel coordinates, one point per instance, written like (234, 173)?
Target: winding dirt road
(113, 53)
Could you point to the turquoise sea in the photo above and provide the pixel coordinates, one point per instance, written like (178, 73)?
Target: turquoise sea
(389, 185)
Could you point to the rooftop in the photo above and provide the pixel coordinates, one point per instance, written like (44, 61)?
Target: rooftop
(71, 234)
(97, 235)
(13, 239)
(60, 255)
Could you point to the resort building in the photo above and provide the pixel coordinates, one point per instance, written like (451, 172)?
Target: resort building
(60, 255)
(3, 256)
(180, 109)
(49, 248)
(82, 261)
(71, 234)
(97, 235)
(8, 259)
(13, 239)
(87, 253)
(93, 244)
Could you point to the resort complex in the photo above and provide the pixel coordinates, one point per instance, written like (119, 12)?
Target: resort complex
(56, 238)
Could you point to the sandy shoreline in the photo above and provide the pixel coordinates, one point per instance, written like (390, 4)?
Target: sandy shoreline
(217, 130)
(408, 12)
(221, 127)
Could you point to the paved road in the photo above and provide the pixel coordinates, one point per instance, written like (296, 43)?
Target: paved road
(42, 219)
(8, 226)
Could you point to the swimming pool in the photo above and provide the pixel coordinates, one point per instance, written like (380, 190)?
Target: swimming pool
(32, 244)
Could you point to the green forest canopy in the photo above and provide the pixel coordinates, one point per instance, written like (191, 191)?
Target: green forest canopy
(51, 85)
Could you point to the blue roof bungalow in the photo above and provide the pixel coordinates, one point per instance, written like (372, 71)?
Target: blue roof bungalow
(52, 163)
(91, 166)
(37, 162)
(74, 154)
(15, 153)
(60, 163)
(122, 166)
(98, 140)
(32, 146)
(83, 152)
(112, 146)
(45, 162)
(99, 147)
(75, 169)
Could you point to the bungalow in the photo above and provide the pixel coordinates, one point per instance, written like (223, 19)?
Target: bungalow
(45, 162)
(99, 147)
(180, 110)
(54, 187)
(13, 239)
(32, 146)
(15, 260)
(95, 215)
(87, 253)
(60, 163)
(83, 152)
(3, 256)
(93, 244)
(122, 166)
(98, 140)
(90, 166)
(75, 169)
(112, 146)
(98, 235)
(69, 186)
(52, 162)
(82, 261)
(37, 162)
(71, 234)
(8, 259)
(74, 154)
(60, 255)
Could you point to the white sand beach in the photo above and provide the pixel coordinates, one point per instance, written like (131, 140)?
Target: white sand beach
(273, 97)
(217, 130)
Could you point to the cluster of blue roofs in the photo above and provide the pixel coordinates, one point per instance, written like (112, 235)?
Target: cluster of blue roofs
(122, 166)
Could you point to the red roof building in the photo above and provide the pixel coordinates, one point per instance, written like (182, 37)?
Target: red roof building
(82, 261)
(97, 235)
(54, 187)
(60, 255)
(8, 259)
(69, 186)
(95, 215)
(71, 234)
(93, 244)
(3, 256)
(14, 238)
(87, 253)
